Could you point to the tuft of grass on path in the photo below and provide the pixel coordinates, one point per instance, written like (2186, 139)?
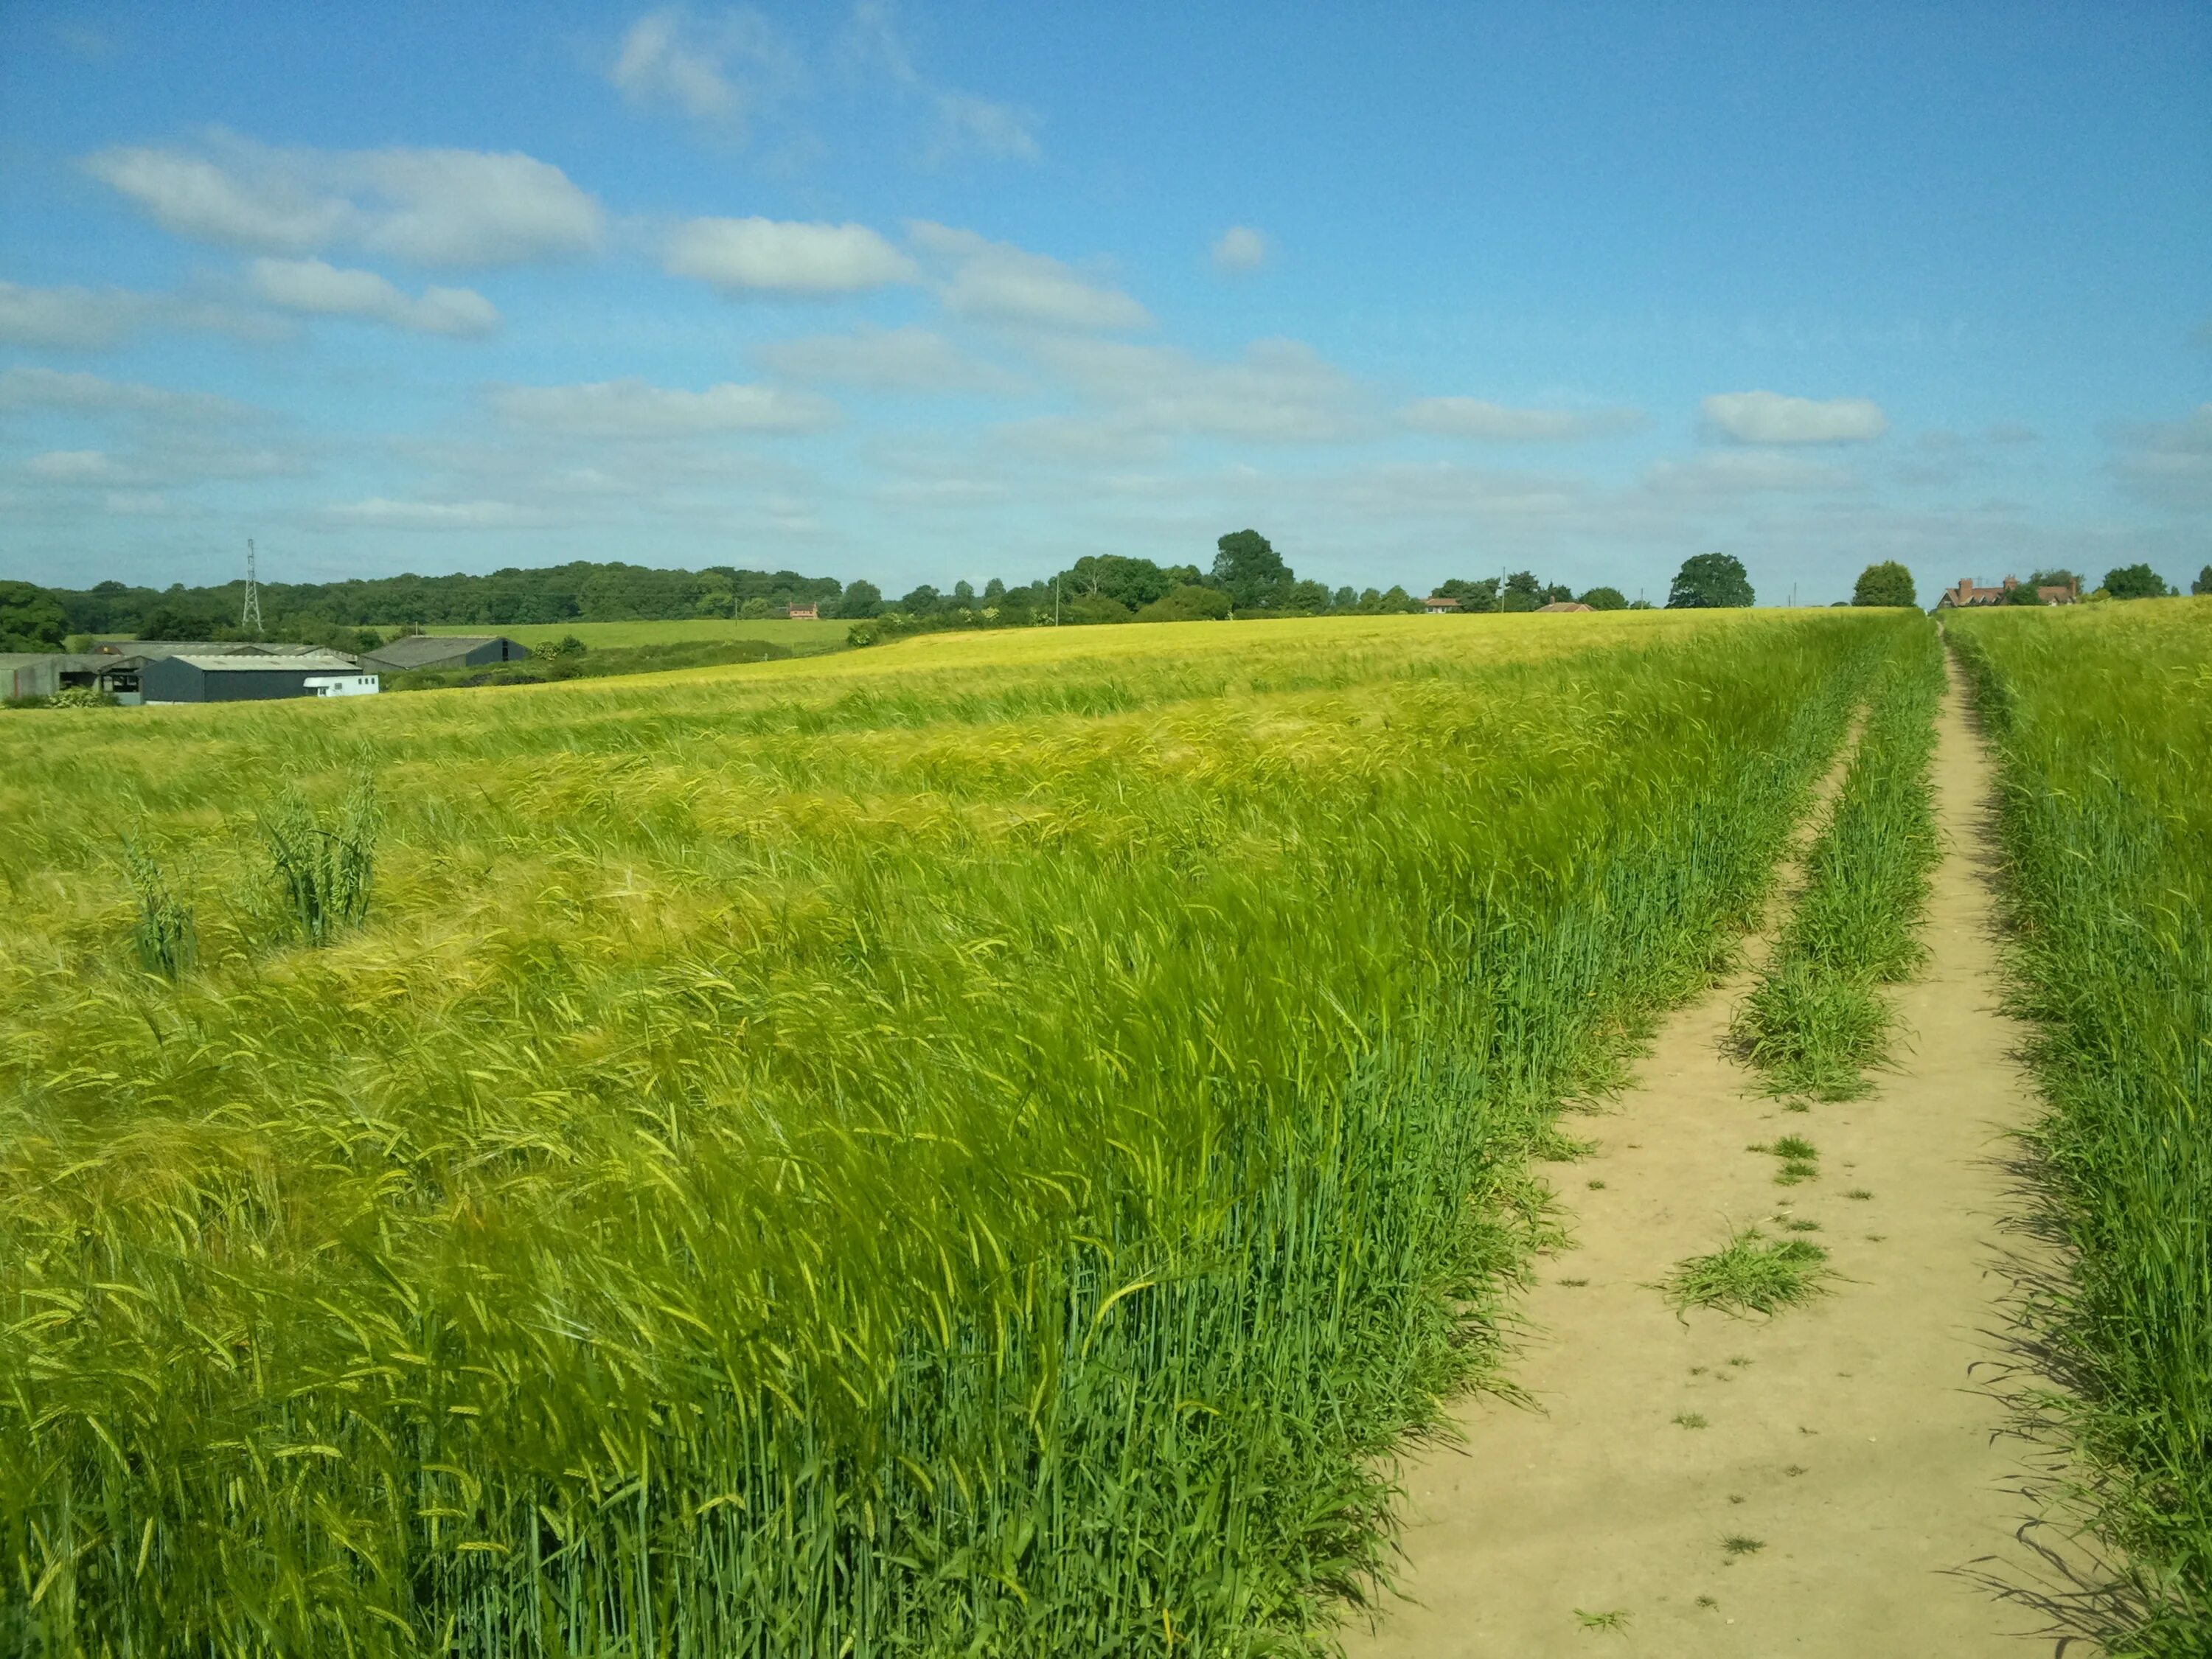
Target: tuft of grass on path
(1751, 1274)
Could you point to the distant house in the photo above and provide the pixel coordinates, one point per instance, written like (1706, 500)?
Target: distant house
(254, 678)
(808, 612)
(1438, 605)
(404, 656)
(1563, 605)
(1966, 594)
(42, 673)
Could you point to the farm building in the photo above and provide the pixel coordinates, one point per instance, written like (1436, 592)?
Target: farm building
(251, 678)
(444, 651)
(1438, 605)
(1966, 594)
(148, 648)
(42, 673)
(807, 612)
(1562, 604)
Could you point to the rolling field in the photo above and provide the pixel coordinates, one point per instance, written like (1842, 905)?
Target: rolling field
(2103, 719)
(799, 637)
(970, 1146)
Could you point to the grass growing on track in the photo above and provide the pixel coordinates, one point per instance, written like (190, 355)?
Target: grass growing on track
(1818, 1018)
(972, 1145)
(1751, 1273)
(2103, 721)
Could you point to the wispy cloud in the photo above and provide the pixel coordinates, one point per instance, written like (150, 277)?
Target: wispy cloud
(1240, 250)
(717, 69)
(313, 288)
(1768, 417)
(1486, 423)
(964, 124)
(2168, 463)
(1747, 472)
(885, 360)
(998, 282)
(72, 319)
(427, 207)
(634, 408)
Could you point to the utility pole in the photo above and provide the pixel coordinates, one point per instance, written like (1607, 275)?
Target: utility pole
(249, 619)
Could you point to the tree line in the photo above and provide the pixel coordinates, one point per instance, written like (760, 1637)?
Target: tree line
(1247, 577)
(322, 612)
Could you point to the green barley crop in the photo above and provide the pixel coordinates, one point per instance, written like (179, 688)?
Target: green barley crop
(2103, 719)
(322, 873)
(1817, 1018)
(162, 936)
(979, 1146)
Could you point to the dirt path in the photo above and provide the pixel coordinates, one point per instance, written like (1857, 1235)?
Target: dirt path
(1847, 1439)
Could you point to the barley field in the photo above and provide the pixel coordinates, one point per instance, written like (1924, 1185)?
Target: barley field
(2103, 719)
(977, 1146)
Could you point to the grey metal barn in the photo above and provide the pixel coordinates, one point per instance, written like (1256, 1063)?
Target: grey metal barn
(42, 673)
(242, 679)
(444, 651)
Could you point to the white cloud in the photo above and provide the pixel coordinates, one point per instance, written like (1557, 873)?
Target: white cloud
(1746, 472)
(783, 257)
(79, 318)
(633, 408)
(1280, 390)
(884, 360)
(74, 465)
(93, 320)
(968, 124)
(1470, 418)
(316, 289)
(998, 282)
(431, 207)
(1768, 417)
(461, 207)
(715, 70)
(965, 124)
(1240, 249)
(195, 197)
(82, 393)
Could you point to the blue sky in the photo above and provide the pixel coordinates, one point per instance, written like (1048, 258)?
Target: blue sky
(918, 293)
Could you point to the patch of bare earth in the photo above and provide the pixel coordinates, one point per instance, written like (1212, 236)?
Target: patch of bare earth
(1822, 1483)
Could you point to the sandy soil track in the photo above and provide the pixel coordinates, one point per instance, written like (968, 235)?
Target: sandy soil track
(1850, 1439)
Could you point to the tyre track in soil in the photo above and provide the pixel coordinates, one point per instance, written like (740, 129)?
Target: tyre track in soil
(1850, 1438)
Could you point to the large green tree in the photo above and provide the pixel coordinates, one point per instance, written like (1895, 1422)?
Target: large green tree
(1188, 602)
(30, 618)
(1604, 599)
(1710, 581)
(1479, 595)
(2136, 582)
(2203, 582)
(1887, 583)
(1247, 567)
(1522, 591)
(861, 599)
